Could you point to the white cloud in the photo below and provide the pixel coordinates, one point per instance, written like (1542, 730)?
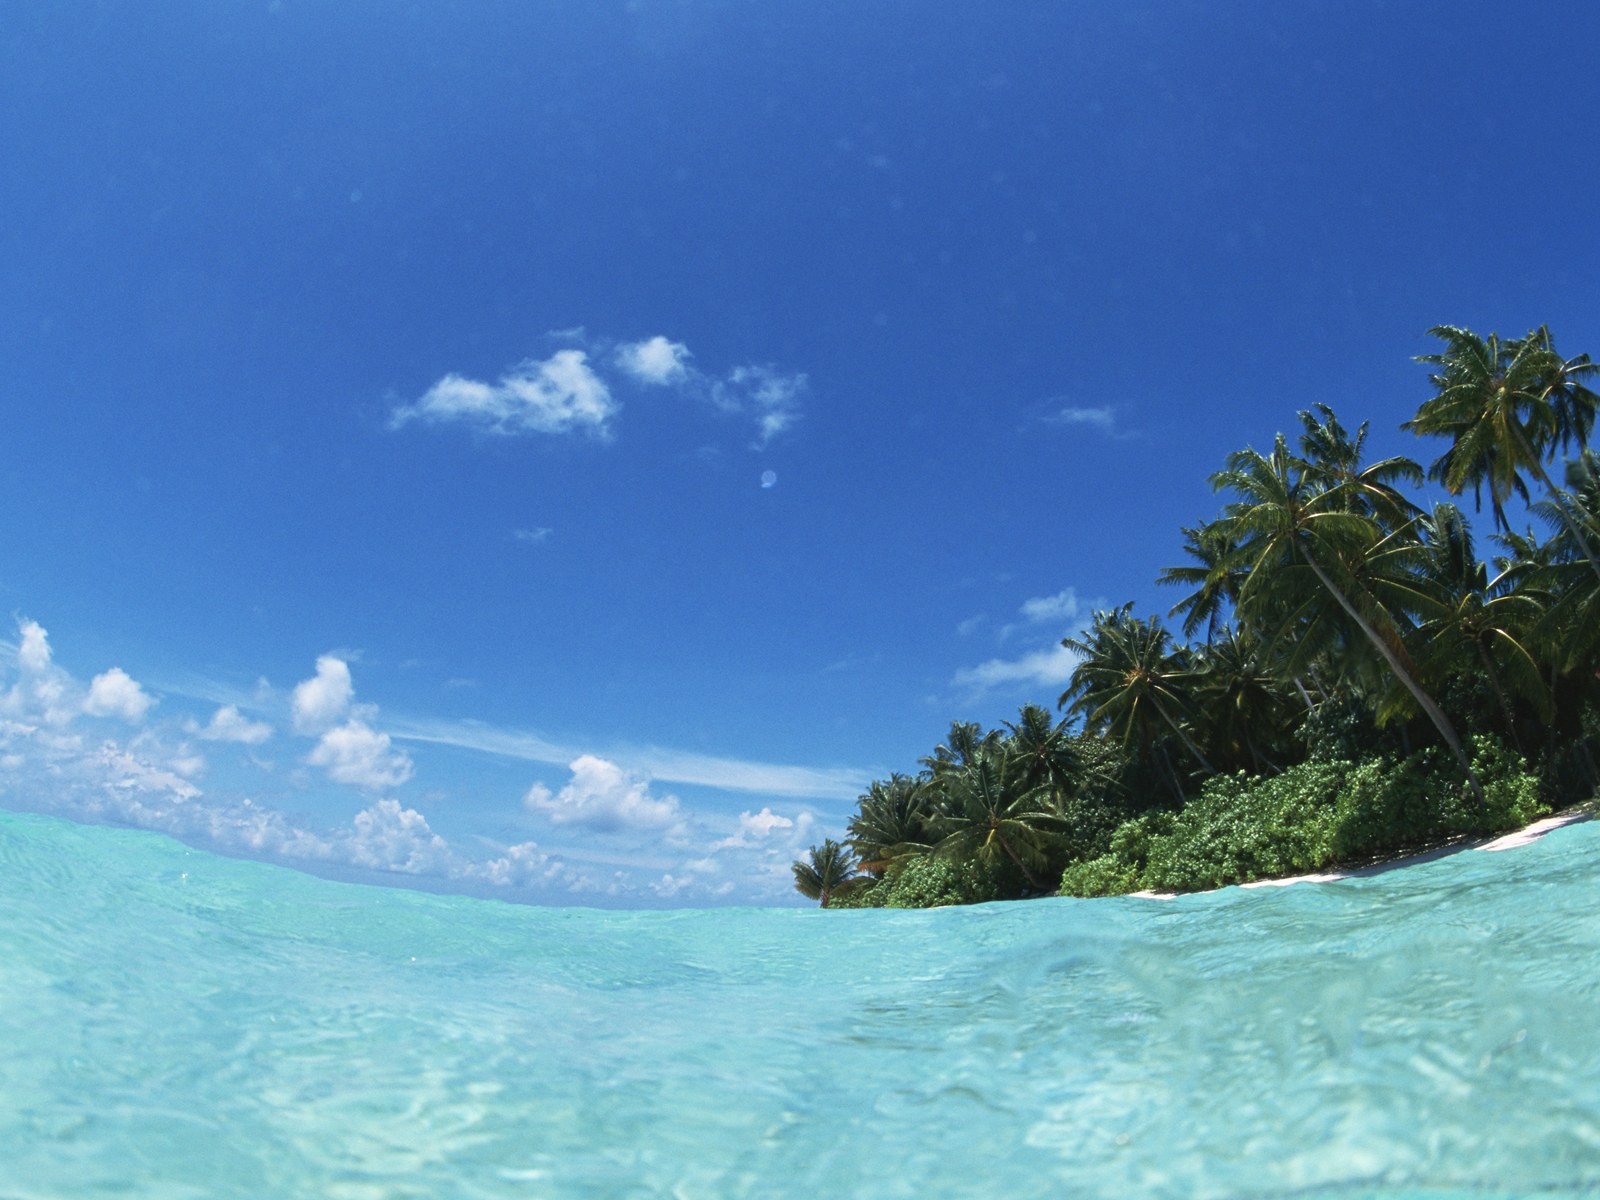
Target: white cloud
(754, 828)
(43, 691)
(763, 392)
(670, 766)
(1103, 419)
(655, 360)
(322, 700)
(1063, 606)
(114, 693)
(360, 756)
(1051, 667)
(534, 536)
(387, 837)
(561, 394)
(33, 653)
(228, 724)
(604, 797)
(129, 772)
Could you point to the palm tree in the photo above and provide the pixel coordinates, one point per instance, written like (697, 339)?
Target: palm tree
(986, 811)
(1505, 406)
(1217, 575)
(1573, 624)
(1238, 698)
(1332, 459)
(1043, 749)
(827, 870)
(965, 742)
(1483, 625)
(1286, 519)
(892, 822)
(1130, 683)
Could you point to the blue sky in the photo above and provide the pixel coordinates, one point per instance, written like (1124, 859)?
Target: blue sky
(564, 451)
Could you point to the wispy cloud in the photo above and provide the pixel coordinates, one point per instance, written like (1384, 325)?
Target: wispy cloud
(560, 394)
(228, 724)
(1100, 418)
(1063, 607)
(1046, 666)
(1050, 667)
(532, 537)
(657, 763)
(771, 397)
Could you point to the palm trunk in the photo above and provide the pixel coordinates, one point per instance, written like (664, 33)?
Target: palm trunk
(1182, 736)
(1500, 695)
(1435, 714)
(1012, 855)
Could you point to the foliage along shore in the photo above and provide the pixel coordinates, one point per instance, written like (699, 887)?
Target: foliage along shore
(1356, 683)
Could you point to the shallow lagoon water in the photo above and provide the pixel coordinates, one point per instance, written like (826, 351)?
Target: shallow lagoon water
(178, 1024)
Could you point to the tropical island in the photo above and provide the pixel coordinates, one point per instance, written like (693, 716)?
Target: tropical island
(1355, 682)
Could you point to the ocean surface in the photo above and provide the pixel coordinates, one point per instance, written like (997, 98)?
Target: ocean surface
(176, 1024)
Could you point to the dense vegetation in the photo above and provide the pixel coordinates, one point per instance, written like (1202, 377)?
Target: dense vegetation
(1355, 681)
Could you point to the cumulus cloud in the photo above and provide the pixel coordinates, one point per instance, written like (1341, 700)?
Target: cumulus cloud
(560, 394)
(114, 693)
(322, 700)
(356, 754)
(603, 797)
(655, 360)
(387, 837)
(43, 691)
(754, 828)
(33, 651)
(228, 724)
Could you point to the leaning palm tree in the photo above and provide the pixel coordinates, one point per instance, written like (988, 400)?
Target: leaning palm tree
(1291, 524)
(826, 871)
(1505, 406)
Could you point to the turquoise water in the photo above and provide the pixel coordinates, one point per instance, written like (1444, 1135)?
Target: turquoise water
(176, 1024)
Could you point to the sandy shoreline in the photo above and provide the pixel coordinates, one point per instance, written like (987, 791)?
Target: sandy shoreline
(1506, 841)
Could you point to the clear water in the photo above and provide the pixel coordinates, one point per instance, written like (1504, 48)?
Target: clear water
(175, 1024)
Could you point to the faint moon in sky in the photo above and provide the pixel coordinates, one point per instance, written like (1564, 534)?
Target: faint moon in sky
(768, 478)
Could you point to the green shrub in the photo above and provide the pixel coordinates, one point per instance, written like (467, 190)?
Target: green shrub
(1107, 875)
(1242, 827)
(932, 881)
(863, 893)
(1323, 812)
(1121, 868)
